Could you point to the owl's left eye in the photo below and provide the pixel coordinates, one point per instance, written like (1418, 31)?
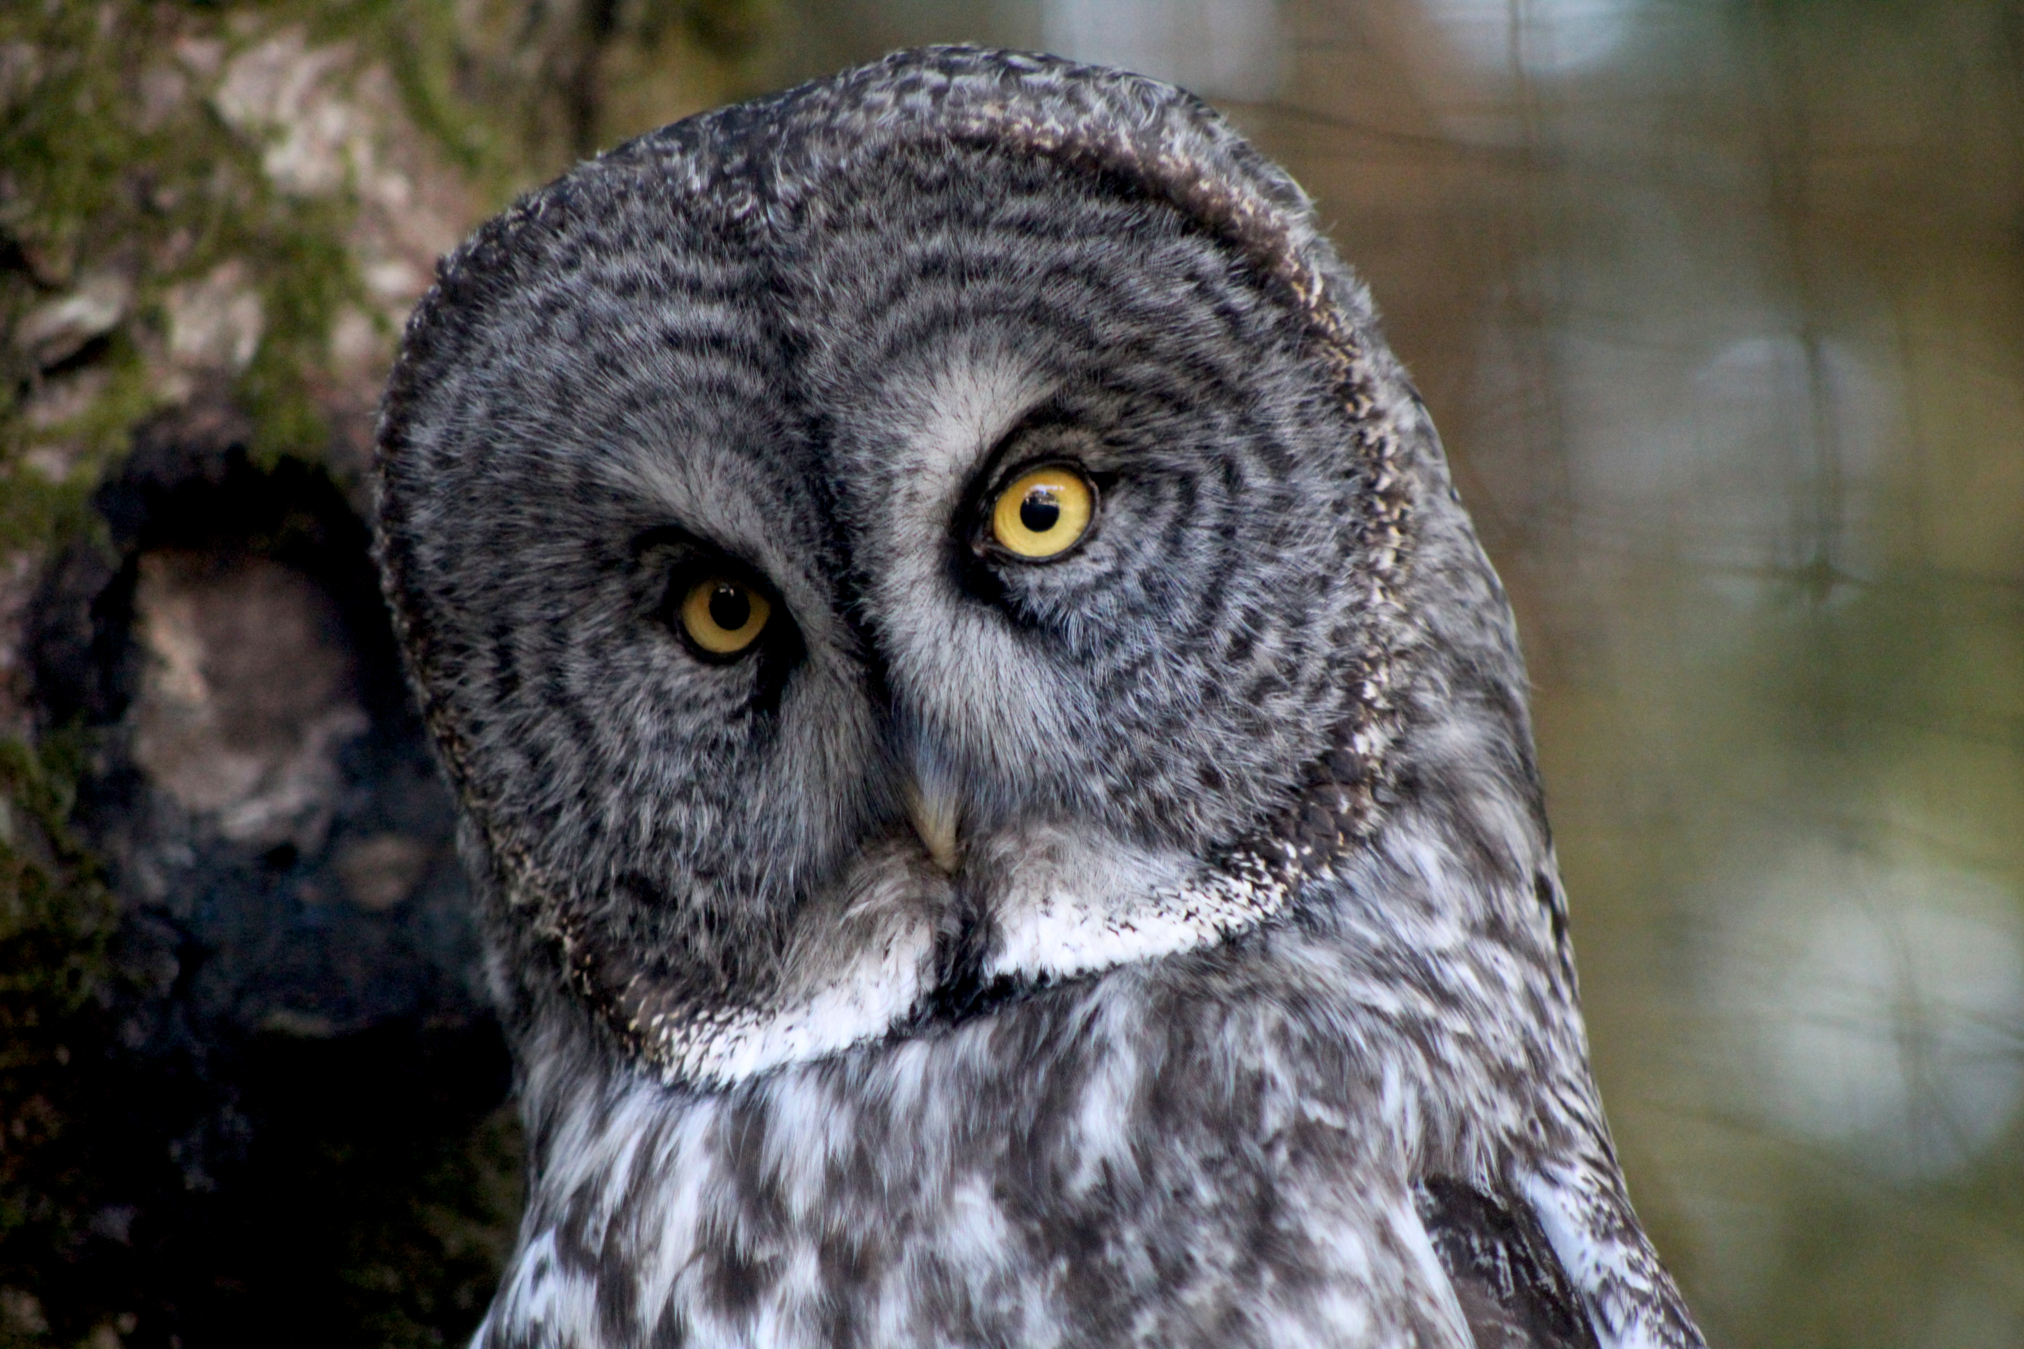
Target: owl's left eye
(722, 616)
(1043, 513)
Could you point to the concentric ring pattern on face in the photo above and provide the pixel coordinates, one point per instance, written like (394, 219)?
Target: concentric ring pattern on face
(824, 393)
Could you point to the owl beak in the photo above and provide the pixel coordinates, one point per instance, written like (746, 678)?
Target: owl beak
(934, 816)
(935, 807)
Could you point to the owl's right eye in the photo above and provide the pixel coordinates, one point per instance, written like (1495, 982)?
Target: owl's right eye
(722, 616)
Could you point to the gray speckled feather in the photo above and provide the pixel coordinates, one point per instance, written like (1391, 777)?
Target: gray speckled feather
(1160, 944)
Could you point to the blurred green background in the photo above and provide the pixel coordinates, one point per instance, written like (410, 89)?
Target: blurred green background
(1719, 305)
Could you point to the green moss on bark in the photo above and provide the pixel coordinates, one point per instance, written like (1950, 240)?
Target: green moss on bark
(56, 918)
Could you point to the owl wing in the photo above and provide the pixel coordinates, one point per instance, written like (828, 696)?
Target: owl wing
(1512, 1288)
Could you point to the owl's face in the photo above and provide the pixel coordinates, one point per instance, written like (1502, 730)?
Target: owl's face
(936, 558)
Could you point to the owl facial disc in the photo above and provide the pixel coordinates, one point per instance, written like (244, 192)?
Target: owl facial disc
(833, 596)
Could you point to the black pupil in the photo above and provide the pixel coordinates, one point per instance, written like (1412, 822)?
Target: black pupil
(1041, 509)
(729, 607)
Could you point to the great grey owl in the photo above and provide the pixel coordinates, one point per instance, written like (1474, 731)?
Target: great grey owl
(998, 772)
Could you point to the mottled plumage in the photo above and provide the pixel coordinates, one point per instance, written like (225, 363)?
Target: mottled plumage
(1158, 944)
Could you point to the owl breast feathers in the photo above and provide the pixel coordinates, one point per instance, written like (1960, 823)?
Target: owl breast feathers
(997, 771)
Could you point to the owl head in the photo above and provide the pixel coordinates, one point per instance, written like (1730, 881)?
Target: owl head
(939, 532)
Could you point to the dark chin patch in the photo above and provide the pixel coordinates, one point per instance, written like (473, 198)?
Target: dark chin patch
(962, 990)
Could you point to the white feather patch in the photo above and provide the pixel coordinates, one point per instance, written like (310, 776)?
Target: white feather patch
(1063, 929)
(862, 1000)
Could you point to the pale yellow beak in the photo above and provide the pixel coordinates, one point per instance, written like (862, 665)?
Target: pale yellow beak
(935, 812)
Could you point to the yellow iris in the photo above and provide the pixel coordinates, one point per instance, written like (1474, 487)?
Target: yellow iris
(1043, 513)
(723, 616)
